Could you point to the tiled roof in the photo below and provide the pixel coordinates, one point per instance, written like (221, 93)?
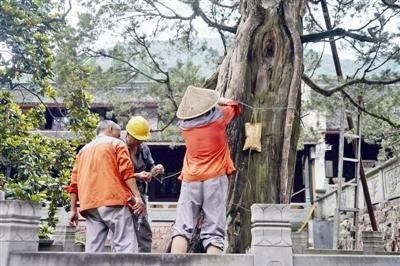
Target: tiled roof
(134, 92)
(68, 135)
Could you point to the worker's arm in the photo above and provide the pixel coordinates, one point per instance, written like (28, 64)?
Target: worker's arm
(224, 101)
(74, 216)
(143, 176)
(147, 176)
(151, 169)
(73, 194)
(230, 108)
(138, 207)
(127, 173)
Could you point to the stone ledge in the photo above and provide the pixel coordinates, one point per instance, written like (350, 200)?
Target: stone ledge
(339, 259)
(111, 259)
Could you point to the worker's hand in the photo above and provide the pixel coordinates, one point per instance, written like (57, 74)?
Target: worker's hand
(223, 101)
(157, 170)
(143, 176)
(73, 218)
(138, 207)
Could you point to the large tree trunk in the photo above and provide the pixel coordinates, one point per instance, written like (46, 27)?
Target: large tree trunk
(263, 69)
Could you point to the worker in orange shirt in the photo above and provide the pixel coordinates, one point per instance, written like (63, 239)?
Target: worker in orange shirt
(138, 131)
(103, 181)
(204, 117)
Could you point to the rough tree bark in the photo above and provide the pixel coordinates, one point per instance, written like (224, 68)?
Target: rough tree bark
(263, 69)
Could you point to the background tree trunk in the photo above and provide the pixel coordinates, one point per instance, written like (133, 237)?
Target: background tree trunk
(263, 69)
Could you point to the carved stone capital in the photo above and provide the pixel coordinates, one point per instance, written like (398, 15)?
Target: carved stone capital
(270, 213)
(19, 227)
(271, 241)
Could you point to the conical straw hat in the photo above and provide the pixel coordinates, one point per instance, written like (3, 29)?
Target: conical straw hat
(196, 101)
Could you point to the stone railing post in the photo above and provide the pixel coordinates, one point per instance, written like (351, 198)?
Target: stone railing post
(372, 242)
(299, 240)
(271, 241)
(19, 227)
(64, 234)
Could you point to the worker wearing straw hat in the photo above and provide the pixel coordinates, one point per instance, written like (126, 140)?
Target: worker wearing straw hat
(204, 116)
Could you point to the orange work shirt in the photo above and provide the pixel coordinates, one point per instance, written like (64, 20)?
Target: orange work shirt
(207, 152)
(99, 174)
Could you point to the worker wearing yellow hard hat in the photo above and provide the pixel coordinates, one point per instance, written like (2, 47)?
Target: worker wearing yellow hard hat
(137, 131)
(139, 128)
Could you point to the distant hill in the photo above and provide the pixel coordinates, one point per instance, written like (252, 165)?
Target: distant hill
(348, 66)
(171, 54)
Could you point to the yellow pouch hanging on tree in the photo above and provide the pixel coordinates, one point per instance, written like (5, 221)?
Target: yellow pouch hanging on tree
(253, 135)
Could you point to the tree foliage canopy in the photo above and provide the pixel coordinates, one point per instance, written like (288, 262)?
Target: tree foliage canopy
(40, 57)
(26, 32)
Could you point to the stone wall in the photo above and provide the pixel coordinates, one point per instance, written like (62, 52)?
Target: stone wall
(161, 231)
(387, 216)
(271, 245)
(384, 189)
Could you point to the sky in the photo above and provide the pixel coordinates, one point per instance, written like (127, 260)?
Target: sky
(205, 32)
(203, 29)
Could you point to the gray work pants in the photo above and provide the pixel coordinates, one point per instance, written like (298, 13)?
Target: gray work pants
(119, 220)
(143, 230)
(143, 233)
(209, 195)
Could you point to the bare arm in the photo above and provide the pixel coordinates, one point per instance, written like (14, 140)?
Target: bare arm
(73, 216)
(131, 183)
(143, 176)
(139, 205)
(224, 101)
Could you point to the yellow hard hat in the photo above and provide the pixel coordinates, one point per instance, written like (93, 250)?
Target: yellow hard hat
(139, 128)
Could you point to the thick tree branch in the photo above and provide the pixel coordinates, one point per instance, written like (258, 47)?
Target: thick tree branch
(197, 11)
(315, 37)
(142, 42)
(68, 10)
(22, 86)
(165, 126)
(129, 64)
(211, 82)
(58, 19)
(170, 91)
(312, 17)
(370, 69)
(214, 24)
(159, 13)
(217, 3)
(330, 91)
(390, 4)
(380, 117)
(318, 62)
(224, 42)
